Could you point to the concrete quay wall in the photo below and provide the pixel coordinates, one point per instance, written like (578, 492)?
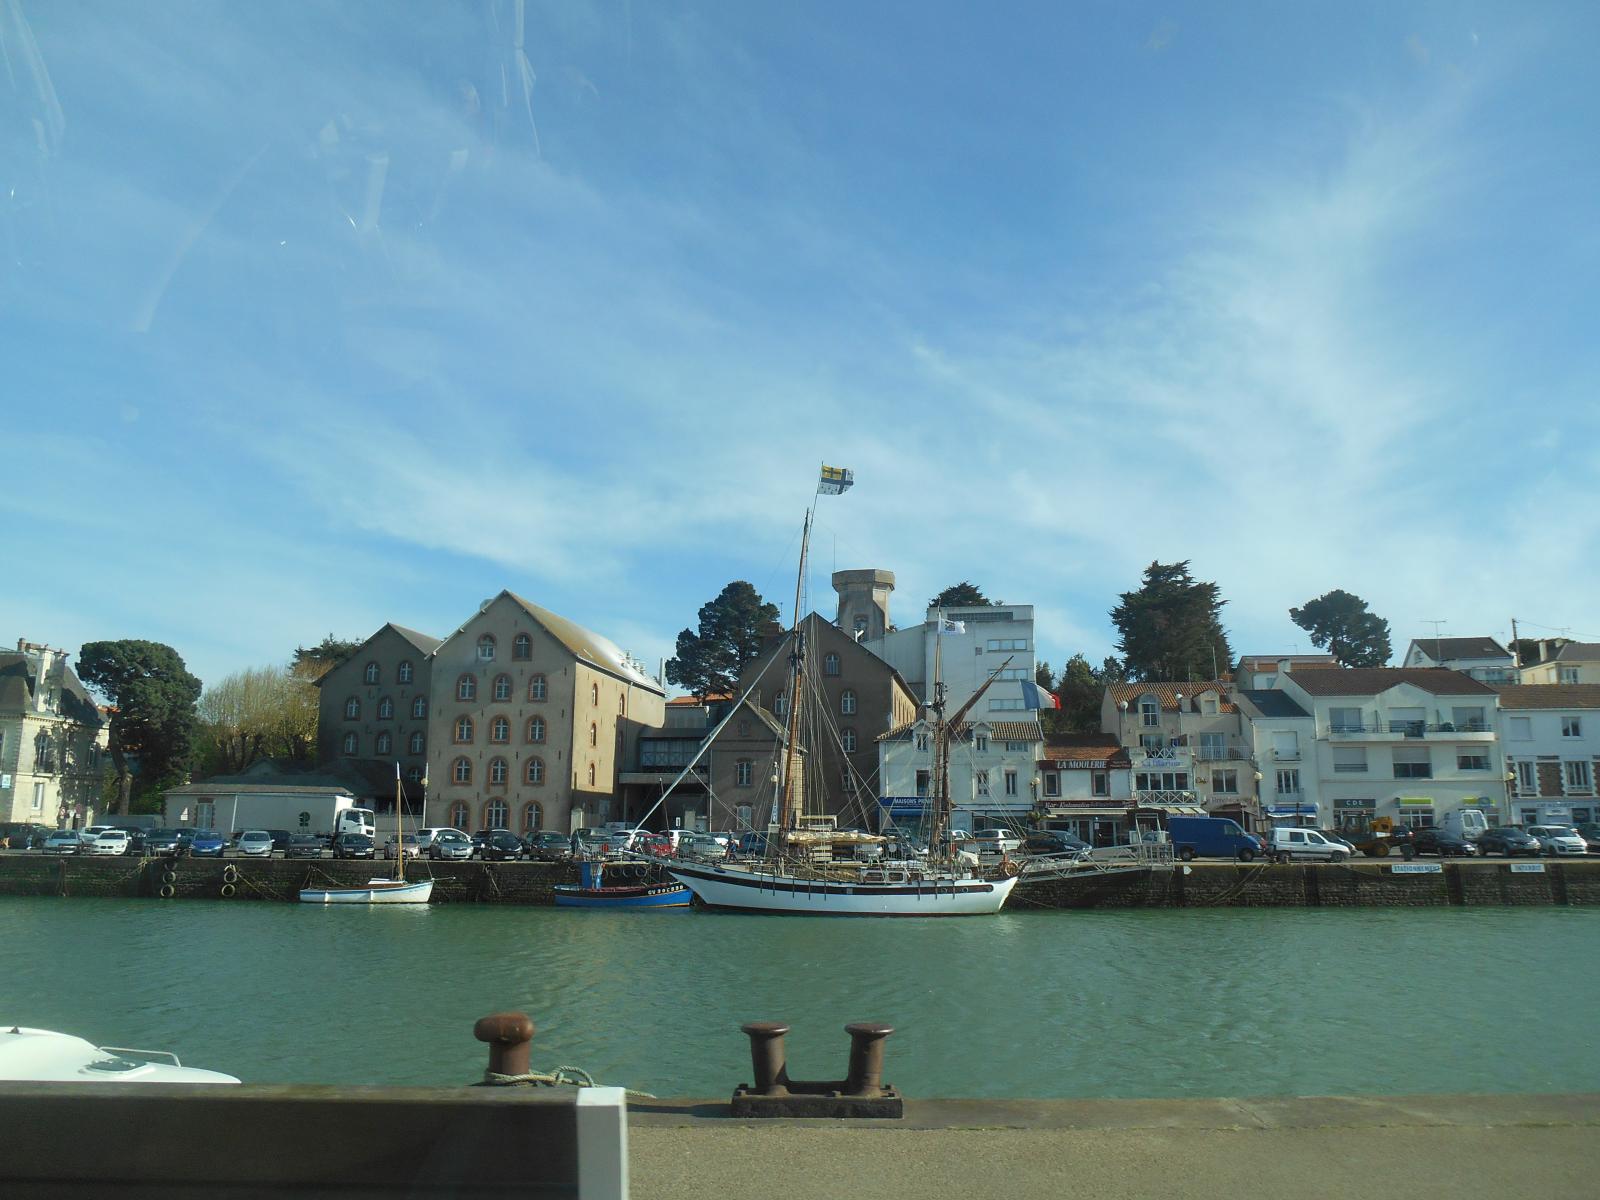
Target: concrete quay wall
(1361, 884)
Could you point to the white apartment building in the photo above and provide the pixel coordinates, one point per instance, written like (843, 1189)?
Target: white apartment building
(977, 640)
(1567, 663)
(994, 772)
(1280, 740)
(1551, 736)
(1187, 744)
(1413, 744)
(53, 738)
(1481, 658)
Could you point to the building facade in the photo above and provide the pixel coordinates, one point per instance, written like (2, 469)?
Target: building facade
(533, 719)
(1187, 743)
(1480, 658)
(54, 763)
(1551, 737)
(1566, 663)
(374, 706)
(994, 772)
(1087, 787)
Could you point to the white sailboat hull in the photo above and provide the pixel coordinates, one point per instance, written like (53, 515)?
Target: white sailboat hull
(768, 891)
(376, 891)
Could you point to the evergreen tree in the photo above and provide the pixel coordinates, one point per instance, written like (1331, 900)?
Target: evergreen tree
(153, 722)
(710, 659)
(313, 662)
(1080, 690)
(960, 595)
(1171, 628)
(1339, 622)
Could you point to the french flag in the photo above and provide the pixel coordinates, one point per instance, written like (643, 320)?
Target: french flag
(1034, 696)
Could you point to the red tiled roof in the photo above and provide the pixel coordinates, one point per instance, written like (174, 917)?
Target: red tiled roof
(1167, 694)
(1072, 748)
(1550, 695)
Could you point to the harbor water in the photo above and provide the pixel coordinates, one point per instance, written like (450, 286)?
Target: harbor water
(1060, 1004)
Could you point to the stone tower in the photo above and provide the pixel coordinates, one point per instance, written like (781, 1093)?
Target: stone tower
(864, 602)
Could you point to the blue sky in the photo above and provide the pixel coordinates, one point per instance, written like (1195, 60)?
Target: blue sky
(318, 316)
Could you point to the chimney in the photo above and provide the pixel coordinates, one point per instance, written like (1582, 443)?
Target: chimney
(1285, 666)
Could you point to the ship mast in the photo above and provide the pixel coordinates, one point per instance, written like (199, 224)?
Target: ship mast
(792, 797)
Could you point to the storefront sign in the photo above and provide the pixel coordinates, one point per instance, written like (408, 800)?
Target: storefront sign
(1415, 869)
(1527, 868)
(1361, 805)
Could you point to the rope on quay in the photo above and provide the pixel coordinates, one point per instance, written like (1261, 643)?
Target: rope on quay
(569, 1076)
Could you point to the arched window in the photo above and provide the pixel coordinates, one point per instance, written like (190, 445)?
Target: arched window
(502, 687)
(466, 688)
(372, 673)
(385, 743)
(461, 772)
(536, 729)
(486, 648)
(352, 709)
(743, 815)
(403, 671)
(594, 694)
(350, 743)
(418, 742)
(830, 665)
(460, 814)
(536, 688)
(847, 738)
(497, 771)
(386, 709)
(591, 774)
(780, 704)
(535, 772)
(594, 734)
(463, 730)
(532, 817)
(413, 774)
(500, 730)
(419, 707)
(495, 815)
(847, 702)
(522, 647)
(744, 772)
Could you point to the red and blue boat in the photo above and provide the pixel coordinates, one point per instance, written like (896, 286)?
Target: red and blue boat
(643, 890)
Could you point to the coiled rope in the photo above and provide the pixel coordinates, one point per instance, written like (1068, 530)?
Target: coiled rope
(567, 1076)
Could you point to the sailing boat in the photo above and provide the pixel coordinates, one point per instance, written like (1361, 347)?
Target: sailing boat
(799, 873)
(381, 891)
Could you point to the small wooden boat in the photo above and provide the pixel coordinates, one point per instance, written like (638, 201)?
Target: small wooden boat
(375, 891)
(591, 892)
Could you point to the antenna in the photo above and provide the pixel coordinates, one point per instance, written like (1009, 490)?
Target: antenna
(1436, 624)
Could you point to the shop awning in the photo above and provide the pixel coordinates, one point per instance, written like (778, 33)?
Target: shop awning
(1414, 801)
(1178, 810)
(1478, 802)
(1292, 810)
(1065, 814)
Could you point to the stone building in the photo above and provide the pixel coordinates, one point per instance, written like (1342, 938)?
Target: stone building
(53, 738)
(533, 720)
(373, 708)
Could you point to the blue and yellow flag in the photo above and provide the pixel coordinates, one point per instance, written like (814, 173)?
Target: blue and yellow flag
(835, 480)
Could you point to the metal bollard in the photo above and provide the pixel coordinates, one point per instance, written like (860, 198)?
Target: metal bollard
(767, 1059)
(510, 1035)
(865, 1077)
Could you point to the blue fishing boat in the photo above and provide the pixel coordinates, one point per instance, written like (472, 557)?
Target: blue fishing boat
(591, 890)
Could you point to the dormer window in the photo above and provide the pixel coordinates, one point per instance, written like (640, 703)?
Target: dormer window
(1150, 712)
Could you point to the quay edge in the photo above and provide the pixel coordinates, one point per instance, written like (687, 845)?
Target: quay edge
(1359, 884)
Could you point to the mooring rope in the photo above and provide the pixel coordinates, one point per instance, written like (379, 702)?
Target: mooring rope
(569, 1076)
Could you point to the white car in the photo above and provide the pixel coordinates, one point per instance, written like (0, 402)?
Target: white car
(994, 841)
(426, 837)
(109, 841)
(87, 836)
(256, 843)
(1558, 839)
(1286, 844)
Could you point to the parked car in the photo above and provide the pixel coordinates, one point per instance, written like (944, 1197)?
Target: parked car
(501, 846)
(1212, 837)
(1443, 843)
(23, 836)
(628, 838)
(1589, 831)
(1305, 844)
(480, 838)
(548, 846)
(63, 841)
(168, 842)
(109, 841)
(426, 836)
(87, 836)
(450, 844)
(354, 845)
(136, 838)
(590, 841)
(701, 847)
(1051, 841)
(207, 843)
(1509, 840)
(255, 843)
(995, 841)
(753, 843)
(1558, 839)
(1338, 839)
(305, 845)
(407, 845)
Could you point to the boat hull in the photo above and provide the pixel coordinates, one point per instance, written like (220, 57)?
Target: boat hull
(377, 891)
(765, 891)
(660, 895)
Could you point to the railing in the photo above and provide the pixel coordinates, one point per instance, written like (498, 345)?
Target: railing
(1286, 755)
(1410, 729)
(1226, 754)
(1163, 796)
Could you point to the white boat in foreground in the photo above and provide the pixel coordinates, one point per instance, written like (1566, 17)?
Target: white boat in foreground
(881, 892)
(41, 1055)
(375, 891)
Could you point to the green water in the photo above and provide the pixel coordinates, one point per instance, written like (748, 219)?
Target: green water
(1268, 1002)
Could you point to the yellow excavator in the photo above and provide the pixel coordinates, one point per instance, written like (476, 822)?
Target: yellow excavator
(1383, 838)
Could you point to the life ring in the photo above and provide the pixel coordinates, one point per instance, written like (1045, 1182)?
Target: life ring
(169, 877)
(230, 874)
(168, 891)
(227, 890)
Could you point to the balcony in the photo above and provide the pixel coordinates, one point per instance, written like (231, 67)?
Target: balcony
(1221, 754)
(1286, 755)
(1399, 731)
(1164, 798)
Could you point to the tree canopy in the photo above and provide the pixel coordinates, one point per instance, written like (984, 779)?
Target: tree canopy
(262, 712)
(1171, 627)
(960, 595)
(711, 658)
(1339, 622)
(153, 723)
(316, 661)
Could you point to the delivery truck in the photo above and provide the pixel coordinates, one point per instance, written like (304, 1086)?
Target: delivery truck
(326, 812)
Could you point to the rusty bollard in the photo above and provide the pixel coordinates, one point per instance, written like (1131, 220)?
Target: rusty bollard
(767, 1058)
(510, 1035)
(865, 1077)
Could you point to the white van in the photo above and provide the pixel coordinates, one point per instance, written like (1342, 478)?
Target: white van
(1286, 844)
(1468, 823)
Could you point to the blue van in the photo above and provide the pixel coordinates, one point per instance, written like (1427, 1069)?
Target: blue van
(1212, 837)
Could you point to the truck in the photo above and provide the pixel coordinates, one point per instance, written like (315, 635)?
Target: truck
(325, 812)
(1212, 837)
